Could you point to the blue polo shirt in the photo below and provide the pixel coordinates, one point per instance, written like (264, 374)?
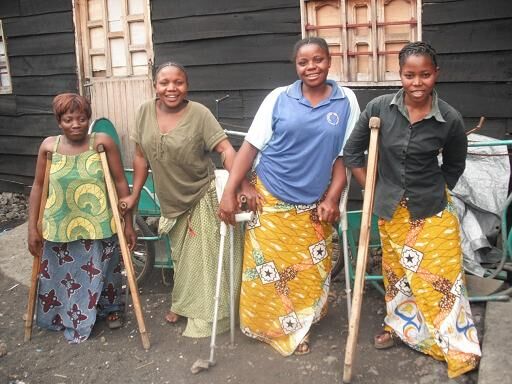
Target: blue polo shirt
(299, 143)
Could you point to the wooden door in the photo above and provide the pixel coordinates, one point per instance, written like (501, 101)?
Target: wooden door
(115, 56)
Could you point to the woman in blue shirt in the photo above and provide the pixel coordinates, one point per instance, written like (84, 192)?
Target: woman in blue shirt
(295, 147)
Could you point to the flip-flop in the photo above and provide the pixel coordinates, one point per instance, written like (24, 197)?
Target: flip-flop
(384, 340)
(115, 320)
(303, 347)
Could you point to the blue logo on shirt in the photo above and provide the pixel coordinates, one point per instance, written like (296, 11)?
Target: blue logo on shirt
(333, 118)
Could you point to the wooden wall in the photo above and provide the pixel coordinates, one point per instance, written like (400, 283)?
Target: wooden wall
(474, 41)
(243, 48)
(240, 48)
(41, 51)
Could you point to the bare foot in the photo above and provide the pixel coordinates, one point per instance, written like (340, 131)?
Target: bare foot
(171, 317)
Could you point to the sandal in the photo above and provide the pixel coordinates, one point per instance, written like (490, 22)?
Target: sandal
(115, 320)
(303, 347)
(384, 340)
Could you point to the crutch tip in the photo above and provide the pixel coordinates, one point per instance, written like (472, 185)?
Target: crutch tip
(201, 365)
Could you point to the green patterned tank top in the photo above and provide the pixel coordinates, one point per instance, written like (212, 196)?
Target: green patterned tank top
(77, 206)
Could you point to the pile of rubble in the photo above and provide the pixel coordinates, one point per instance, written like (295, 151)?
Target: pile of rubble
(13, 208)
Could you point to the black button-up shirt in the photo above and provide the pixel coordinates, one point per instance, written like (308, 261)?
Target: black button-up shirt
(408, 164)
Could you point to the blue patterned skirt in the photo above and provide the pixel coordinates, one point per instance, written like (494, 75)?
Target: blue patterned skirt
(78, 281)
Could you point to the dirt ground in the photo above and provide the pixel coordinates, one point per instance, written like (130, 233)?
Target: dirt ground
(118, 357)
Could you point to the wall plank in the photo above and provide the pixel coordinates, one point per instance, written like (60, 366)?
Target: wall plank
(40, 24)
(40, 45)
(478, 99)
(32, 7)
(18, 184)
(44, 85)
(236, 76)
(233, 24)
(477, 36)
(29, 125)
(476, 67)
(229, 50)
(9, 8)
(12, 145)
(43, 65)
(7, 105)
(160, 9)
(448, 12)
(18, 165)
(34, 105)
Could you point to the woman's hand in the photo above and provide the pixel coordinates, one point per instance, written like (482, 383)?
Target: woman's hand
(35, 243)
(131, 236)
(328, 211)
(128, 203)
(253, 200)
(228, 206)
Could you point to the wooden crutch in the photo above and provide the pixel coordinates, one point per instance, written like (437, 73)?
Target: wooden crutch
(36, 263)
(125, 251)
(362, 251)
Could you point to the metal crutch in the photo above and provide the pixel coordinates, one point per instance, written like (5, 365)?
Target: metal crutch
(344, 228)
(201, 364)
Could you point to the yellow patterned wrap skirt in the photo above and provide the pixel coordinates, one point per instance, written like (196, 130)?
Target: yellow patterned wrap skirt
(286, 273)
(426, 298)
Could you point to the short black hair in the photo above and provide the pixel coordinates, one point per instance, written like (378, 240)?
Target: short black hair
(171, 64)
(417, 48)
(310, 40)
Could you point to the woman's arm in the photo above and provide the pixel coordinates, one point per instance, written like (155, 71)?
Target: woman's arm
(328, 209)
(454, 154)
(140, 174)
(237, 176)
(35, 239)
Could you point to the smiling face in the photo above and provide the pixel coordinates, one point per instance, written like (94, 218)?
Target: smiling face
(171, 87)
(74, 125)
(312, 63)
(418, 75)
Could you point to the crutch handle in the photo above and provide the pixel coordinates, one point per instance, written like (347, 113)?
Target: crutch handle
(243, 216)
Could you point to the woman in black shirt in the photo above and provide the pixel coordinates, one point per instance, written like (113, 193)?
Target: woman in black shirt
(426, 302)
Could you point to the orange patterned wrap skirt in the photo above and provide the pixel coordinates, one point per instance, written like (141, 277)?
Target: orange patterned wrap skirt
(426, 298)
(286, 273)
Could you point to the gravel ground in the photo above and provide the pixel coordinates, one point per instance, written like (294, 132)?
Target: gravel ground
(13, 209)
